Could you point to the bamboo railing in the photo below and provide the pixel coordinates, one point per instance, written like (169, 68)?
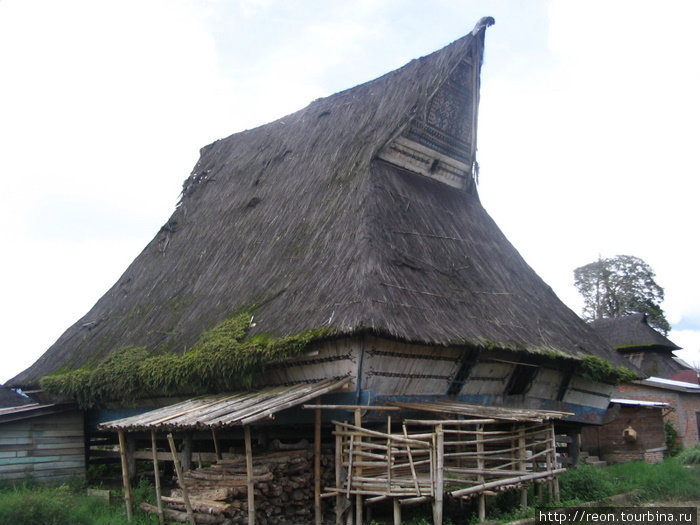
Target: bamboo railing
(429, 458)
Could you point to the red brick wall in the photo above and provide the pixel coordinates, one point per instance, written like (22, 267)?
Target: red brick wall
(685, 408)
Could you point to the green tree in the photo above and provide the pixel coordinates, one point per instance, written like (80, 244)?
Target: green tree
(619, 286)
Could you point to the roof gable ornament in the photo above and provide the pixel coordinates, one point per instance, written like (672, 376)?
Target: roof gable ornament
(440, 143)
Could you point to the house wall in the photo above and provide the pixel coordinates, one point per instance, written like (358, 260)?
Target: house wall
(686, 407)
(46, 448)
(607, 442)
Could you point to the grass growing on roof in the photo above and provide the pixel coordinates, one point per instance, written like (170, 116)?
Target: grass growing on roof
(223, 358)
(597, 369)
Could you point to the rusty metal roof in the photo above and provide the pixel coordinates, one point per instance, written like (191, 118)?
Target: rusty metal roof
(226, 410)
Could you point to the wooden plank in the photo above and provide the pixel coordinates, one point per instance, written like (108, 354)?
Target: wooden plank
(318, 516)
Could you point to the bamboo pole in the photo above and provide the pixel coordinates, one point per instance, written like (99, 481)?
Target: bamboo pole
(249, 474)
(317, 464)
(512, 481)
(410, 460)
(128, 498)
(181, 480)
(389, 455)
(358, 497)
(156, 475)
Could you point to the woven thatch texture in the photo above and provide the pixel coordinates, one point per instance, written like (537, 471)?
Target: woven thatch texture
(297, 218)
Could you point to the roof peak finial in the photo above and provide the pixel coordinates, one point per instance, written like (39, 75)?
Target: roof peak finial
(483, 23)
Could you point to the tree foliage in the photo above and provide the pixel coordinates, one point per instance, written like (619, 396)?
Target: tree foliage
(619, 286)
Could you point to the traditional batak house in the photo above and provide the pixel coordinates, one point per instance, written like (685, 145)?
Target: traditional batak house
(340, 251)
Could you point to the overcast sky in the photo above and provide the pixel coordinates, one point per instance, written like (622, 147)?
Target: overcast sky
(589, 129)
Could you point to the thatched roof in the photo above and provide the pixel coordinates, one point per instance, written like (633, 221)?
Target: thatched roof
(632, 333)
(302, 218)
(648, 350)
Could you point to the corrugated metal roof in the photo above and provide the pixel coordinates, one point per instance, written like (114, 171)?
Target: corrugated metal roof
(670, 383)
(225, 410)
(459, 408)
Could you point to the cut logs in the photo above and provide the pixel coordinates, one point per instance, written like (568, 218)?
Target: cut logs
(283, 489)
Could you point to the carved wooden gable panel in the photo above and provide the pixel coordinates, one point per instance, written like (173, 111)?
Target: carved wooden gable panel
(439, 143)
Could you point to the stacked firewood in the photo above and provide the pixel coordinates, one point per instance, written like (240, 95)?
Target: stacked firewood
(283, 490)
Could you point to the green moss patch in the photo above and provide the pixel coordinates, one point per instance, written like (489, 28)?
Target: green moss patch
(597, 369)
(224, 358)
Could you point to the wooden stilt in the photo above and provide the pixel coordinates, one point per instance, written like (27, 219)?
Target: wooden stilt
(249, 474)
(317, 464)
(397, 512)
(156, 476)
(358, 497)
(128, 498)
(217, 450)
(181, 479)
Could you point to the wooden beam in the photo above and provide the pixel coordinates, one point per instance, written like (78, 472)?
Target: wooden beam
(128, 498)
(181, 480)
(358, 472)
(217, 450)
(156, 475)
(439, 475)
(249, 474)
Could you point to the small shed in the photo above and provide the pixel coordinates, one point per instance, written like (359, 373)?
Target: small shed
(44, 443)
(405, 453)
(635, 432)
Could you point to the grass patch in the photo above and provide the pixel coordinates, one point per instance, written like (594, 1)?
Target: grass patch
(68, 504)
(689, 456)
(223, 359)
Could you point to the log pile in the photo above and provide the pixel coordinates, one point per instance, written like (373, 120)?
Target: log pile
(284, 490)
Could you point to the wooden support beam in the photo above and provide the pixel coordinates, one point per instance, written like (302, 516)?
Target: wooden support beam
(318, 515)
(249, 474)
(555, 481)
(128, 498)
(522, 465)
(156, 475)
(181, 480)
(186, 454)
(397, 512)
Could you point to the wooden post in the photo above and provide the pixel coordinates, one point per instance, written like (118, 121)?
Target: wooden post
(156, 475)
(217, 450)
(317, 464)
(549, 464)
(481, 465)
(128, 498)
(249, 474)
(574, 447)
(555, 481)
(130, 455)
(186, 453)
(338, 475)
(521, 464)
(358, 497)
(181, 479)
(439, 474)
(397, 511)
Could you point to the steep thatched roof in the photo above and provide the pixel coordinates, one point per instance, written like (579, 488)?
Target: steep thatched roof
(302, 219)
(632, 333)
(647, 349)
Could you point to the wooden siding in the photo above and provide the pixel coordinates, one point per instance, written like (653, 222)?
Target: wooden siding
(47, 448)
(582, 391)
(391, 368)
(546, 383)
